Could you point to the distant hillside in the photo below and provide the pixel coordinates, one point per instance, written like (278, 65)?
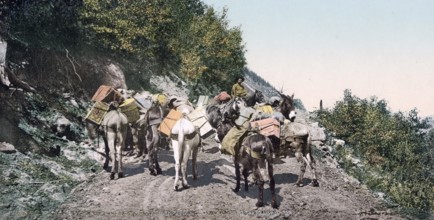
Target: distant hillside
(260, 83)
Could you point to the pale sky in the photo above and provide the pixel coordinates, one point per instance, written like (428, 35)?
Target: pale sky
(318, 48)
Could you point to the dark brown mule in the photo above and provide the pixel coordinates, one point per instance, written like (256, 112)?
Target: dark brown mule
(256, 149)
(256, 152)
(154, 116)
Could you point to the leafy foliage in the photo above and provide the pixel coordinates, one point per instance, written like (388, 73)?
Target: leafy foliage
(185, 33)
(181, 36)
(45, 22)
(396, 149)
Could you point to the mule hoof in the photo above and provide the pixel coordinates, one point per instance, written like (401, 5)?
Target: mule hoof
(186, 186)
(153, 172)
(315, 183)
(299, 184)
(237, 189)
(112, 176)
(275, 205)
(176, 188)
(120, 175)
(259, 204)
(159, 171)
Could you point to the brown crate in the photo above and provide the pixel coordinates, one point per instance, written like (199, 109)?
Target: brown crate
(107, 94)
(130, 109)
(97, 112)
(169, 121)
(267, 127)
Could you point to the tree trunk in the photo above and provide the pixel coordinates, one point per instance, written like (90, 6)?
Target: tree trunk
(4, 79)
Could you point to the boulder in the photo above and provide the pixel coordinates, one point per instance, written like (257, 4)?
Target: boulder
(7, 148)
(317, 133)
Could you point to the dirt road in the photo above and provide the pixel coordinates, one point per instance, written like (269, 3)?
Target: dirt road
(142, 196)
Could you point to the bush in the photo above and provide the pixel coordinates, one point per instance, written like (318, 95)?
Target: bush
(396, 148)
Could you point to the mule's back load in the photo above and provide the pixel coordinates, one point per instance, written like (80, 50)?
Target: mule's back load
(267, 127)
(107, 94)
(199, 119)
(97, 113)
(161, 99)
(169, 121)
(130, 109)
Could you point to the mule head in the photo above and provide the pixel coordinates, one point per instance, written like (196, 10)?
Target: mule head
(233, 108)
(287, 107)
(259, 97)
(114, 105)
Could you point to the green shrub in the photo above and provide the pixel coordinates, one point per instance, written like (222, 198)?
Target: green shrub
(395, 147)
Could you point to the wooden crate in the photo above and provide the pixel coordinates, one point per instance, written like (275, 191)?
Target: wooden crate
(267, 127)
(145, 103)
(107, 94)
(199, 119)
(130, 109)
(169, 121)
(202, 101)
(97, 112)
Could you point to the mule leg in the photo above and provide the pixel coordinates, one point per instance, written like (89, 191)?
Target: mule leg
(302, 169)
(274, 202)
(237, 173)
(260, 181)
(313, 169)
(135, 140)
(157, 165)
(111, 137)
(151, 158)
(119, 149)
(299, 155)
(152, 148)
(194, 161)
(107, 153)
(184, 164)
(246, 181)
(177, 157)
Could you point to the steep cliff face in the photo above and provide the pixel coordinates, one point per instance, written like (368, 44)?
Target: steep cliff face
(63, 84)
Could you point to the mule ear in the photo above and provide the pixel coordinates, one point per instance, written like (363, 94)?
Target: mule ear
(292, 96)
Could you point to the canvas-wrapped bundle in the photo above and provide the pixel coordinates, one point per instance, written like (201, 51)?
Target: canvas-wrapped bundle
(267, 127)
(169, 121)
(130, 109)
(222, 97)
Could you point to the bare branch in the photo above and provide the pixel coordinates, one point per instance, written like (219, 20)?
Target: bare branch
(73, 66)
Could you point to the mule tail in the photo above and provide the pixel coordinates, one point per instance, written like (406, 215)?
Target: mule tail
(181, 137)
